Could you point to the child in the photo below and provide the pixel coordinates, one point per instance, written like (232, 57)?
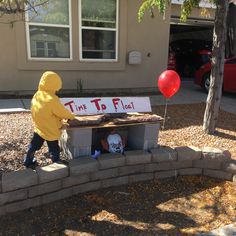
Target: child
(47, 114)
(114, 143)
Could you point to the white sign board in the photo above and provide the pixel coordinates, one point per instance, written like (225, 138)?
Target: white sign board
(96, 105)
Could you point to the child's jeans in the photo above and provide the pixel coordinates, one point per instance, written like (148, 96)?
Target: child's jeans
(36, 144)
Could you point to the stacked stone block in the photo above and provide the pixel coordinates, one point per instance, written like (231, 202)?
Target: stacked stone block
(143, 137)
(28, 188)
(77, 142)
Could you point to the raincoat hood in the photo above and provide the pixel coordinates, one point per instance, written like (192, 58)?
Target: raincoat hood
(46, 109)
(50, 81)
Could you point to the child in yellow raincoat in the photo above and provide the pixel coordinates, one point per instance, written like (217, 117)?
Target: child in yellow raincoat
(47, 114)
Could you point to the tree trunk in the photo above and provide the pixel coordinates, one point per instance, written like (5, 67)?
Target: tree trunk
(231, 32)
(218, 55)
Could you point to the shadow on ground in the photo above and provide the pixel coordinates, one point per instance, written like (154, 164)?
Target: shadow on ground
(182, 115)
(126, 210)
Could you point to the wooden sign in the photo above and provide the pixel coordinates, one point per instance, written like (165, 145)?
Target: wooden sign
(96, 105)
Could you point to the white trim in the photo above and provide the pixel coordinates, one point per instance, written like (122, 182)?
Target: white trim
(70, 30)
(201, 4)
(104, 21)
(49, 59)
(80, 29)
(50, 25)
(27, 35)
(98, 28)
(69, 26)
(116, 29)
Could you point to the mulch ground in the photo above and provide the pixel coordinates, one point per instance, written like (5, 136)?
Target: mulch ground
(179, 206)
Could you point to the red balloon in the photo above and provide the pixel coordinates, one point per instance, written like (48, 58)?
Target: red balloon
(168, 83)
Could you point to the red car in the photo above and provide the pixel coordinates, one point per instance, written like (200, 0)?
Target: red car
(171, 61)
(202, 76)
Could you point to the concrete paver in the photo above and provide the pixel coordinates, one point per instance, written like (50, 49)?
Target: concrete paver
(10, 103)
(14, 105)
(190, 93)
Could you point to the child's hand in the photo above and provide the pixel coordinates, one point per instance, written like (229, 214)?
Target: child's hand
(73, 122)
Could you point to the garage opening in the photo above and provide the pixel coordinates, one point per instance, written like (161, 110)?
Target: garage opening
(190, 45)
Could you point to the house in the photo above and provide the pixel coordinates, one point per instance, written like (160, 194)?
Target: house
(93, 44)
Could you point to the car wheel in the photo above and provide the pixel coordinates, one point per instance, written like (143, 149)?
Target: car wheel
(206, 82)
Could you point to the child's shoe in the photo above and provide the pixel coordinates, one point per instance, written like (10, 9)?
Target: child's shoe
(57, 160)
(60, 161)
(30, 162)
(96, 154)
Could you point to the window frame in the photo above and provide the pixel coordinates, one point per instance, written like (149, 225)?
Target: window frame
(116, 29)
(69, 26)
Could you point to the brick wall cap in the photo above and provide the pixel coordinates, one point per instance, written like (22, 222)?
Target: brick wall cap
(82, 160)
(107, 156)
(137, 152)
(230, 166)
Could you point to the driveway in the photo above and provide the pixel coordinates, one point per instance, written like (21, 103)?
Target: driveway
(191, 93)
(188, 93)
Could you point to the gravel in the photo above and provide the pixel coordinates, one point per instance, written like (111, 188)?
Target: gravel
(183, 127)
(181, 206)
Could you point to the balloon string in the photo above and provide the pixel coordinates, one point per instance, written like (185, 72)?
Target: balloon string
(163, 126)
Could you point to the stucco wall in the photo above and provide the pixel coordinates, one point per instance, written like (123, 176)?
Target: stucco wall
(150, 37)
(8, 72)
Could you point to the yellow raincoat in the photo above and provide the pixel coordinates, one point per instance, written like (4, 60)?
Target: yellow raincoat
(46, 109)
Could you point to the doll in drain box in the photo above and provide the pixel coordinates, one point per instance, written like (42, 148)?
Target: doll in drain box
(112, 142)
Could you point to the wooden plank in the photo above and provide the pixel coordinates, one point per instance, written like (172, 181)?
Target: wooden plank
(110, 120)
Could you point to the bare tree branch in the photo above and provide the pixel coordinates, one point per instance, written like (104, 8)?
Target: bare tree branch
(18, 6)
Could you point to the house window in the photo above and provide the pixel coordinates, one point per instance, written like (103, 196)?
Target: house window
(46, 49)
(49, 31)
(98, 30)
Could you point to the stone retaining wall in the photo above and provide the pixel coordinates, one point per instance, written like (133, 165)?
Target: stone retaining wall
(30, 188)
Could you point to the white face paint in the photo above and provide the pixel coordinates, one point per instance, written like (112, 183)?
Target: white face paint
(115, 143)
